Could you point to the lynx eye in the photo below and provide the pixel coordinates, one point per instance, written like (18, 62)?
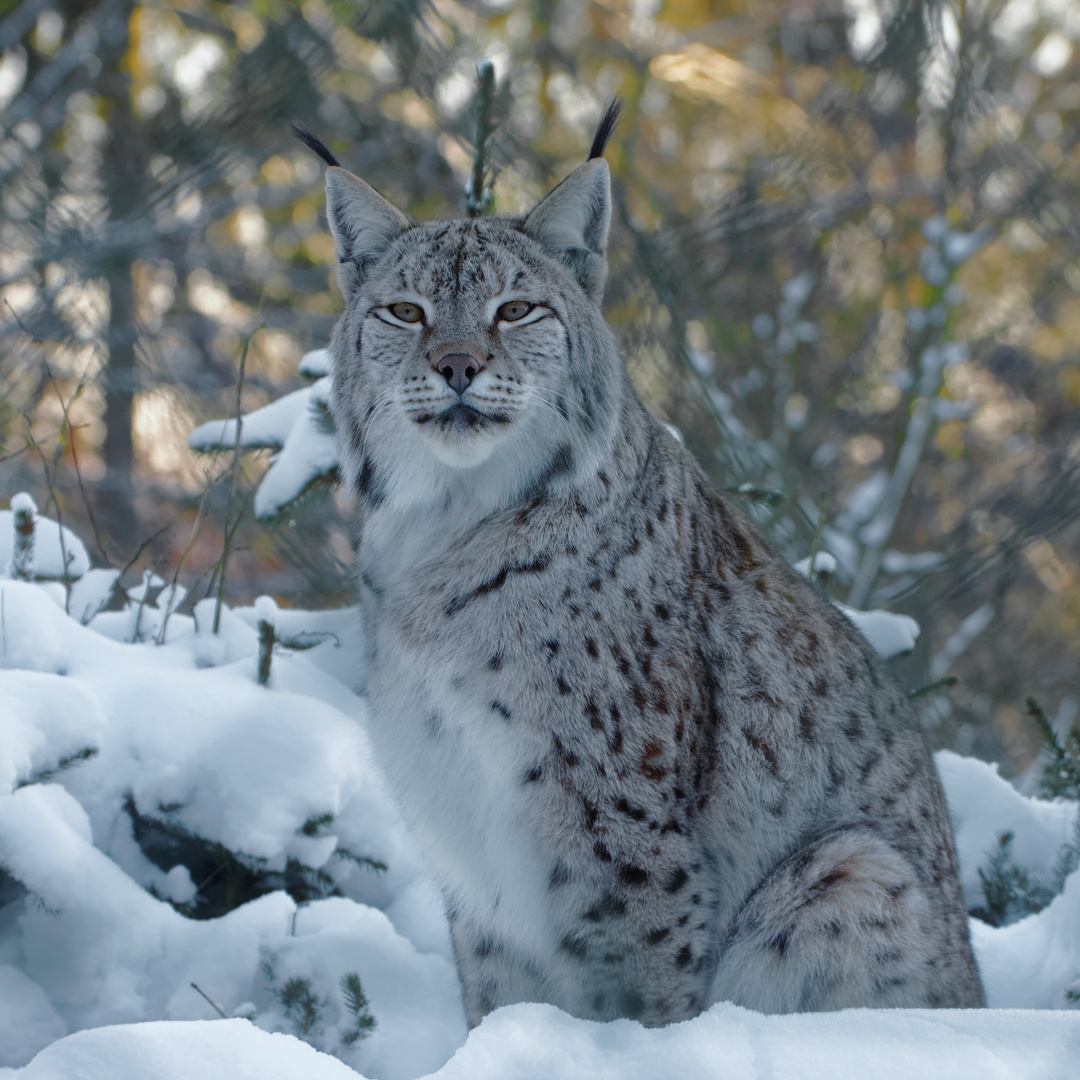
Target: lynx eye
(513, 310)
(406, 312)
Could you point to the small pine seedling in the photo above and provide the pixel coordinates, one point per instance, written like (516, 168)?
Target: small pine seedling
(23, 512)
(357, 1003)
(312, 826)
(1061, 774)
(1011, 892)
(302, 1005)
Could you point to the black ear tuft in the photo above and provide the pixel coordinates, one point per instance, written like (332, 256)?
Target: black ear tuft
(606, 128)
(313, 142)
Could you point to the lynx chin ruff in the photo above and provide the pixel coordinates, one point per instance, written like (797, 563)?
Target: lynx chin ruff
(650, 766)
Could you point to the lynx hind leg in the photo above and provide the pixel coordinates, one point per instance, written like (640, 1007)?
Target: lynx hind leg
(846, 923)
(491, 972)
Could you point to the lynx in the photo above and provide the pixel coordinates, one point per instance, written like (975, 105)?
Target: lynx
(651, 767)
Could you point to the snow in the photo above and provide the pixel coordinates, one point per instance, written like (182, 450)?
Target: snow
(266, 610)
(934, 228)
(890, 634)
(222, 1050)
(315, 364)
(1033, 961)
(97, 967)
(538, 1042)
(23, 503)
(824, 563)
(91, 593)
(28, 1022)
(863, 502)
(267, 427)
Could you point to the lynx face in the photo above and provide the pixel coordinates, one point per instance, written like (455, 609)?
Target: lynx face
(472, 356)
(460, 341)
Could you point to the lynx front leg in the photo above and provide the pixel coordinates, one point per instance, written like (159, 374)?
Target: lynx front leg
(846, 923)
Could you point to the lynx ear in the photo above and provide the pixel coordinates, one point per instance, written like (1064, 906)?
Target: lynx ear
(363, 225)
(572, 223)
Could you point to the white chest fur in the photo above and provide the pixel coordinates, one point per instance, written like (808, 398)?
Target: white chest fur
(453, 762)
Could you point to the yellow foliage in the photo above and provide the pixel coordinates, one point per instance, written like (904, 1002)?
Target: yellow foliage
(277, 170)
(709, 75)
(1068, 319)
(1069, 380)
(319, 247)
(701, 74)
(690, 14)
(409, 107)
(1048, 343)
(245, 25)
(1048, 565)
(950, 438)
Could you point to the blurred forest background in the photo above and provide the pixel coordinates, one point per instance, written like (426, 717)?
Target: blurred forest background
(845, 264)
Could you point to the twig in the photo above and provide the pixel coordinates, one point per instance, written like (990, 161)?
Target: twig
(64, 579)
(815, 544)
(884, 520)
(196, 528)
(64, 407)
(228, 535)
(220, 1011)
(149, 540)
(147, 582)
(755, 494)
(929, 688)
(266, 650)
(478, 195)
(14, 453)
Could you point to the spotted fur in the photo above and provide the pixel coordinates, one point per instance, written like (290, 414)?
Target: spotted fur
(651, 767)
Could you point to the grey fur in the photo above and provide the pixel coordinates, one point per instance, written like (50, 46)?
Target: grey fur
(651, 767)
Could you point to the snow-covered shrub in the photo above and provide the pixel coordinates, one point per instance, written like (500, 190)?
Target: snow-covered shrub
(1013, 890)
(165, 821)
(298, 431)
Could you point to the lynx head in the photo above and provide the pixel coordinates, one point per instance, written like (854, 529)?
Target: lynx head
(472, 354)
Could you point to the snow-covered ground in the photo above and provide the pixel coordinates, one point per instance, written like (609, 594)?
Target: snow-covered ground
(102, 736)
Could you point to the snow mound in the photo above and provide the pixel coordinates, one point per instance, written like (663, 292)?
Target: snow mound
(538, 1042)
(225, 1050)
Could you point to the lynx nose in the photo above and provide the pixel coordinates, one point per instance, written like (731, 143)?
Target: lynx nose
(459, 369)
